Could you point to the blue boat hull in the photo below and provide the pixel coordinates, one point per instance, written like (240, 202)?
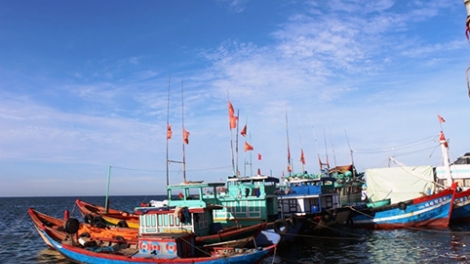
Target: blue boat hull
(429, 211)
(86, 256)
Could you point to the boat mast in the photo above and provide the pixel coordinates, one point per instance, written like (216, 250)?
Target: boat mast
(289, 168)
(302, 158)
(184, 134)
(167, 139)
(445, 155)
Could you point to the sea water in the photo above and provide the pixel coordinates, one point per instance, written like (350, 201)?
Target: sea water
(20, 242)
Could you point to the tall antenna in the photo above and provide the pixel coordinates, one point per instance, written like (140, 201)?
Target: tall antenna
(349, 146)
(326, 149)
(332, 145)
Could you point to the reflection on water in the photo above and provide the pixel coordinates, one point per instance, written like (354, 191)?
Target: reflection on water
(49, 255)
(20, 243)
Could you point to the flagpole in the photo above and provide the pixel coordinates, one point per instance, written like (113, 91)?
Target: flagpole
(445, 151)
(167, 127)
(184, 132)
(236, 145)
(231, 136)
(289, 168)
(302, 157)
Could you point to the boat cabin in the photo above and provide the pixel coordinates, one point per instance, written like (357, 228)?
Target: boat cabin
(188, 211)
(247, 201)
(303, 194)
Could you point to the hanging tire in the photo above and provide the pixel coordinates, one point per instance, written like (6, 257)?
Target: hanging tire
(122, 223)
(402, 206)
(72, 225)
(88, 218)
(281, 227)
(327, 216)
(350, 223)
(98, 221)
(293, 221)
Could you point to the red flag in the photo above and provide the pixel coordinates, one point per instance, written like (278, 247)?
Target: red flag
(441, 120)
(233, 121)
(259, 156)
(289, 169)
(185, 136)
(231, 112)
(169, 133)
(302, 158)
(243, 133)
(248, 147)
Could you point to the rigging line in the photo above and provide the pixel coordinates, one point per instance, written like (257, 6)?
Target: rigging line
(201, 169)
(399, 146)
(332, 144)
(13, 228)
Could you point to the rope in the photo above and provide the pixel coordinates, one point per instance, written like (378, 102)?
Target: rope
(13, 227)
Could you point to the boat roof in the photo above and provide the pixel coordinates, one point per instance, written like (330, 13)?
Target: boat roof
(464, 159)
(297, 179)
(196, 184)
(253, 178)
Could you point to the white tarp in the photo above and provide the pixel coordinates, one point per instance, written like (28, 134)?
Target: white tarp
(399, 183)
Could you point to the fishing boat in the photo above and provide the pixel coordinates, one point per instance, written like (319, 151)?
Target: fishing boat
(434, 210)
(308, 197)
(247, 201)
(461, 210)
(56, 228)
(157, 248)
(185, 199)
(99, 215)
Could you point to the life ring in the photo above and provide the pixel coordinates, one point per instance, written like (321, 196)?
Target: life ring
(171, 248)
(280, 226)
(122, 223)
(350, 222)
(72, 225)
(402, 206)
(293, 221)
(155, 248)
(98, 221)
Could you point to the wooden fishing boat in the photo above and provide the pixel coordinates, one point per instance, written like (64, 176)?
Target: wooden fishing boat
(191, 202)
(426, 211)
(100, 215)
(56, 228)
(157, 248)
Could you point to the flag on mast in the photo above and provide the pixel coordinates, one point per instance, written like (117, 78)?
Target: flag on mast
(302, 158)
(169, 133)
(185, 136)
(231, 116)
(248, 147)
(243, 132)
(441, 119)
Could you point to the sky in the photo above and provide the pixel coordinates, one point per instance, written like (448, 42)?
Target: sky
(87, 89)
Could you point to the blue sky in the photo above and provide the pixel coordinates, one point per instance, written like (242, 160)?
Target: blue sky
(84, 86)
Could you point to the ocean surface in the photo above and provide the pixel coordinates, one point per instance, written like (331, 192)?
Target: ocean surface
(20, 242)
